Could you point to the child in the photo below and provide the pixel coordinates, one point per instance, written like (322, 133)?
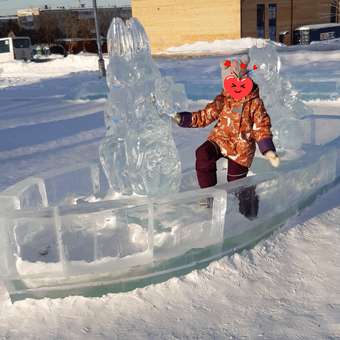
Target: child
(242, 120)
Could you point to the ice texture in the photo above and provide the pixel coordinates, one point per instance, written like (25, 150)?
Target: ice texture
(52, 248)
(27, 194)
(281, 100)
(138, 153)
(322, 129)
(132, 238)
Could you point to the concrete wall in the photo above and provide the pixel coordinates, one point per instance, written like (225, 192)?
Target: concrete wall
(176, 22)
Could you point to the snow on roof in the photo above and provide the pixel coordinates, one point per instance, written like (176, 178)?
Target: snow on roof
(308, 27)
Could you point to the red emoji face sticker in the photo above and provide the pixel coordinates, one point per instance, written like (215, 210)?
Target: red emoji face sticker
(238, 88)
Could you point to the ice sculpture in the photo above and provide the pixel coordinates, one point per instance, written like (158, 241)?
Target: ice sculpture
(138, 154)
(281, 101)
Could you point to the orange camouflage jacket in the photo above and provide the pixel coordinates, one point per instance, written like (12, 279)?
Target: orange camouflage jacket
(240, 123)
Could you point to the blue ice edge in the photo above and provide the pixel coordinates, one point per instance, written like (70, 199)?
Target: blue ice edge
(33, 216)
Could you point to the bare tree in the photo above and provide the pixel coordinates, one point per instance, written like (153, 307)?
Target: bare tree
(69, 24)
(12, 26)
(105, 20)
(69, 27)
(85, 27)
(48, 28)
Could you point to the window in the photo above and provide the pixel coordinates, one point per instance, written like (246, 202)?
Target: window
(260, 21)
(4, 46)
(272, 21)
(21, 43)
(333, 13)
(327, 35)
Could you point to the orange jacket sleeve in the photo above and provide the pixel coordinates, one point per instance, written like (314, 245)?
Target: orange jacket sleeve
(209, 114)
(262, 124)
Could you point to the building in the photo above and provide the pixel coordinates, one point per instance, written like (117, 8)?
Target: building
(47, 25)
(75, 28)
(176, 22)
(270, 18)
(28, 18)
(61, 17)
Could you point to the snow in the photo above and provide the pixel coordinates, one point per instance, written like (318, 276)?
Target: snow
(216, 47)
(307, 27)
(21, 72)
(228, 47)
(286, 287)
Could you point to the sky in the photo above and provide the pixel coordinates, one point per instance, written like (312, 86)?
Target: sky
(8, 7)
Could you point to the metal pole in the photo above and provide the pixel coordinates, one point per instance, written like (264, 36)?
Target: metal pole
(291, 21)
(101, 62)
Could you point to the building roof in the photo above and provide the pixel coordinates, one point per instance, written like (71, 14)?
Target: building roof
(81, 9)
(79, 39)
(8, 17)
(318, 26)
(28, 11)
(36, 11)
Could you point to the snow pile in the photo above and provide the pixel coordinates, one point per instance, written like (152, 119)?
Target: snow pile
(308, 59)
(227, 47)
(28, 72)
(324, 45)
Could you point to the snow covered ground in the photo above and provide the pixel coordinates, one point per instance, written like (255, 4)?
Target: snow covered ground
(215, 47)
(51, 115)
(285, 288)
(229, 47)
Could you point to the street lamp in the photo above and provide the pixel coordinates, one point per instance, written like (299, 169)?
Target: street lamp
(291, 21)
(101, 62)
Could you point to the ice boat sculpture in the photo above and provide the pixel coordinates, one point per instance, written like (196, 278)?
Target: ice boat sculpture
(138, 154)
(58, 239)
(55, 242)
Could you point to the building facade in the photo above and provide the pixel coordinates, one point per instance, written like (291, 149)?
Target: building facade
(277, 19)
(28, 18)
(47, 25)
(79, 22)
(176, 22)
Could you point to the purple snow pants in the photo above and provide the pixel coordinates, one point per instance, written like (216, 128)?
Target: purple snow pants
(206, 157)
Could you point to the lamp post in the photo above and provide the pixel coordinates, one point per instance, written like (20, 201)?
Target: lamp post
(291, 21)
(101, 62)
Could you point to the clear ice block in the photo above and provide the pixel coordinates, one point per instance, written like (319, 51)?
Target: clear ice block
(281, 100)
(139, 154)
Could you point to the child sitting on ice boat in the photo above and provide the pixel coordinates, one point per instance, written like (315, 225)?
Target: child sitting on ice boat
(242, 121)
